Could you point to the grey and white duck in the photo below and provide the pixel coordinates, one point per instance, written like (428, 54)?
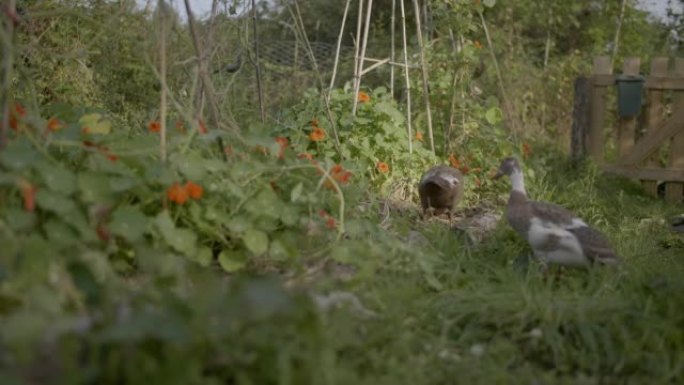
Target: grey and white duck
(440, 190)
(555, 234)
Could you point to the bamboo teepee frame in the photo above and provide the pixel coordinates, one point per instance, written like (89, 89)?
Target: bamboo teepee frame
(361, 43)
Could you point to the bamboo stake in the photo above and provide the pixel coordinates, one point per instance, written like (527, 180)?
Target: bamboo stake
(386, 61)
(207, 85)
(424, 71)
(337, 49)
(374, 66)
(162, 79)
(357, 45)
(7, 64)
(260, 89)
(392, 38)
(506, 102)
(364, 44)
(406, 78)
(452, 105)
(300, 26)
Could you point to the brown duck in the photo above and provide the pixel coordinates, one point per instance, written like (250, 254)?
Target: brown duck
(440, 190)
(556, 234)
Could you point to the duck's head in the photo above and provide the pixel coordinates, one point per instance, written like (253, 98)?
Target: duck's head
(508, 167)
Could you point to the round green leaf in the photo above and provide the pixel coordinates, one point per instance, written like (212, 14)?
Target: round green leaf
(57, 178)
(53, 201)
(181, 240)
(204, 256)
(129, 223)
(191, 165)
(296, 192)
(94, 187)
(265, 203)
(232, 260)
(19, 155)
(96, 124)
(256, 241)
(493, 115)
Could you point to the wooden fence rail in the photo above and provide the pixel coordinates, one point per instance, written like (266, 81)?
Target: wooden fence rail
(642, 140)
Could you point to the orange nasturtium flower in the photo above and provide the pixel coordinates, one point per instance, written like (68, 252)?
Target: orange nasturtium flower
(317, 134)
(21, 111)
(383, 167)
(194, 190)
(526, 150)
(329, 220)
(13, 123)
(28, 195)
(202, 128)
(454, 161)
(419, 136)
(18, 112)
(283, 142)
(477, 44)
(54, 124)
(363, 97)
(339, 174)
(154, 126)
(177, 194)
(105, 151)
(305, 155)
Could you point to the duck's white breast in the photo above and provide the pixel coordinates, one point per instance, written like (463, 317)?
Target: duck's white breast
(554, 243)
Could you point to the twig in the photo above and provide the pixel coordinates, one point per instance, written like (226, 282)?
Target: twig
(616, 40)
(423, 66)
(162, 80)
(7, 64)
(392, 28)
(364, 44)
(200, 96)
(260, 89)
(406, 78)
(299, 22)
(506, 101)
(377, 64)
(337, 49)
(207, 85)
(357, 48)
(392, 63)
(452, 105)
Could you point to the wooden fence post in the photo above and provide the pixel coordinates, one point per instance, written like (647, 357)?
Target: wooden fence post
(580, 117)
(627, 126)
(598, 109)
(654, 116)
(673, 190)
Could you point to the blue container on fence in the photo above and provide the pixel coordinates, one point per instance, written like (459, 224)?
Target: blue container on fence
(630, 90)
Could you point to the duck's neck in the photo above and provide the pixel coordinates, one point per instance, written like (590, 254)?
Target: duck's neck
(518, 185)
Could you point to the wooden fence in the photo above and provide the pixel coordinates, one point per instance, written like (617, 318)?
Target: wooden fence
(641, 141)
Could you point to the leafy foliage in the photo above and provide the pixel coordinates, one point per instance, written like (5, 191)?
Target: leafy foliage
(290, 250)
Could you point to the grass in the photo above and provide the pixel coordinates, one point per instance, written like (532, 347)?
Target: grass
(495, 319)
(440, 309)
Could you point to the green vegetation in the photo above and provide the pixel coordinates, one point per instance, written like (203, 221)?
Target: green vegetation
(265, 252)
